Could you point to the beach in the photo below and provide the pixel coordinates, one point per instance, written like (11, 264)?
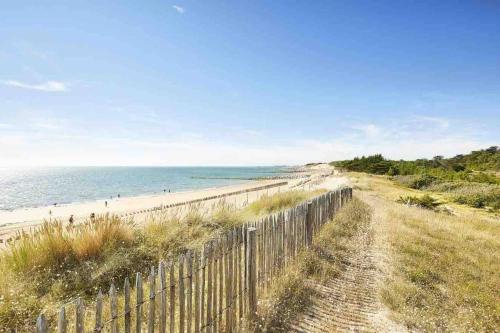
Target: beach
(139, 207)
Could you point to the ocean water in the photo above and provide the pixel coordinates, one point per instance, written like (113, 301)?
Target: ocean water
(33, 187)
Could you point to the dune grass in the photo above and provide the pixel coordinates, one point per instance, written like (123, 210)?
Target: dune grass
(273, 203)
(42, 270)
(291, 293)
(443, 268)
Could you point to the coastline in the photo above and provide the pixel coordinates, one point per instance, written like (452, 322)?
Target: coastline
(26, 218)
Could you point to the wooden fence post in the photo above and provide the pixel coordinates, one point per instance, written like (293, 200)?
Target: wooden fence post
(196, 293)
(189, 309)
(182, 305)
(252, 274)
(79, 324)
(172, 297)
(163, 297)
(98, 312)
(309, 223)
(61, 321)
(113, 304)
(152, 295)
(139, 300)
(127, 316)
(41, 324)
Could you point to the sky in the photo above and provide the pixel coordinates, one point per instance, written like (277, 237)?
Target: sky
(246, 82)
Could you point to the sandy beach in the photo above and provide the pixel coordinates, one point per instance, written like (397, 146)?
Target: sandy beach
(139, 206)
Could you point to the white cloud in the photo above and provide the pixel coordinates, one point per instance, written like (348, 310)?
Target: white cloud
(56, 141)
(369, 130)
(441, 122)
(179, 9)
(49, 86)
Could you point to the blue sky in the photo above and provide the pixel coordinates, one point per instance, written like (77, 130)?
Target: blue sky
(245, 82)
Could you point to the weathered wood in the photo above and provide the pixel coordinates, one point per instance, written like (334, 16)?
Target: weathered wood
(252, 274)
(220, 267)
(61, 321)
(202, 288)
(126, 307)
(196, 272)
(209, 323)
(309, 223)
(41, 324)
(214, 289)
(182, 303)
(152, 295)
(98, 312)
(139, 302)
(79, 318)
(189, 292)
(113, 305)
(163, 297)
(172, 298)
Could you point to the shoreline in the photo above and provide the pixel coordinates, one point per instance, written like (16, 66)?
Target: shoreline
(26, 218)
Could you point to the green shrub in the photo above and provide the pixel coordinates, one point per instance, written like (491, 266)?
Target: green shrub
(425, 201)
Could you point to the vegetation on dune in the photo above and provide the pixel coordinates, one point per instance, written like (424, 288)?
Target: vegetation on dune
(58, 263)
(290, 294)
(445, 271)
(443, 268)
(425, 201)
(468, 179)
(269, 204)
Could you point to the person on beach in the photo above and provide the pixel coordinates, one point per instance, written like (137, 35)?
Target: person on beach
(105, 204)
(71, 220)
(118, 195)
(92, 217)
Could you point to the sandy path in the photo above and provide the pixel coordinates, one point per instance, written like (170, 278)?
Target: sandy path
(349, 302)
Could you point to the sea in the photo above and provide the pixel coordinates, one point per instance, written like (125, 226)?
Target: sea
(34, 187)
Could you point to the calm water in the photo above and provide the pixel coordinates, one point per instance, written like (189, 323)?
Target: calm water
(32, 187)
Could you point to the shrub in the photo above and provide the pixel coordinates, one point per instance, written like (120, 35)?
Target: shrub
(425, 201)
(416, 181)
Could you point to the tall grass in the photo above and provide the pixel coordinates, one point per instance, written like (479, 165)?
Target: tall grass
(442, 273)
(291, 294)
(43, 269)
(273, 203)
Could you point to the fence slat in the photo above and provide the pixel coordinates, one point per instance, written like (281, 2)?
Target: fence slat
(113, 304)
(172, 297)
(152, 295)
(252, 274)
(189, 292)
(139, 301)
(163, 298)
(98, 312)
(196, 293)
(182, 304)
(41, 324)
(209, 288)
(79, 323)
(126, 306)
(61, 321)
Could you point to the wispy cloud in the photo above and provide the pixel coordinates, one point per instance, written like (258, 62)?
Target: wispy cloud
(49, 86)
(179, 9)
(369, 130)
(441, 122)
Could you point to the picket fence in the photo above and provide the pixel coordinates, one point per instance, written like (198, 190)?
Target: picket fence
(214, 290)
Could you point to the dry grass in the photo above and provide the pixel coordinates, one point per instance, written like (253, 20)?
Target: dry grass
(269, 204)
(45, 269)
(291, 294)
(443, 273)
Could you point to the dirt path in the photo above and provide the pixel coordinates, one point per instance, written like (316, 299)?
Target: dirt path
(349, 302)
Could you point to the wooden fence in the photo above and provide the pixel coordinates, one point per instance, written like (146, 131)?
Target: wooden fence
(214, 290)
